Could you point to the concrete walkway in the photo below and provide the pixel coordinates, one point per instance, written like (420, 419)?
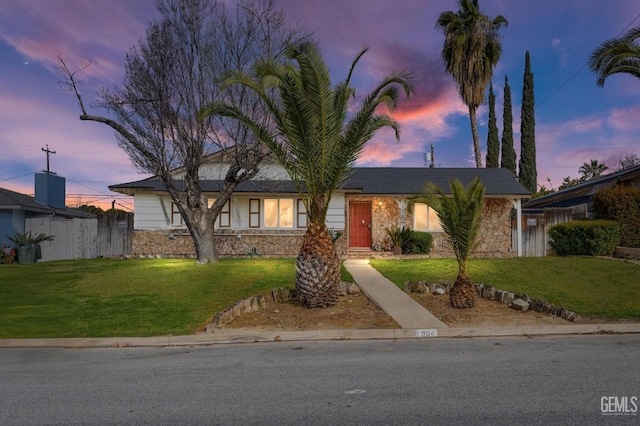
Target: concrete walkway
(394, 302)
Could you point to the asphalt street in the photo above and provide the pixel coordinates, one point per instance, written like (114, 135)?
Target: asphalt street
(515, 380)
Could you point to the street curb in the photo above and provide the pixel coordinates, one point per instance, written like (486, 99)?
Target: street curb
(232, 336)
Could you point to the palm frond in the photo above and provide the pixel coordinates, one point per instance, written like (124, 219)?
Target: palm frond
(459, 215)
(314, 137)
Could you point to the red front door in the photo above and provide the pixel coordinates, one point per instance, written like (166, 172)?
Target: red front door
(360, 224)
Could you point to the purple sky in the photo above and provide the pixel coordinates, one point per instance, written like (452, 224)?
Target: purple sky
(576, 121)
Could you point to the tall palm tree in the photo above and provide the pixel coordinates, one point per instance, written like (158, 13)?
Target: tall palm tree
(592, 169)
(460, 216)
(618, 55)
(471, 49)
(317, 141)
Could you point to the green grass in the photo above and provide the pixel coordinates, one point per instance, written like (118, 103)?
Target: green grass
(588, 286)
(144, 297)
(108, 297)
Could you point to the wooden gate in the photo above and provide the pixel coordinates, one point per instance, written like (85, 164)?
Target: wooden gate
(360, 224)
(535, 230)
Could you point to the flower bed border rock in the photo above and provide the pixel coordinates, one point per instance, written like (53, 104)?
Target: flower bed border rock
(516, 301)
(254, 303)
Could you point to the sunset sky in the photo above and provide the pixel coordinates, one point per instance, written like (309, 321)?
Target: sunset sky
(576, 121)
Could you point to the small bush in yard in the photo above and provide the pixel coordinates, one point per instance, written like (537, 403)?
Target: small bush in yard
(585, 238)
(400, 238)
(622, 204)
(420, 243)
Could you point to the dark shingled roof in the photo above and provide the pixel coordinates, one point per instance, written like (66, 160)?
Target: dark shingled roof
(411, 180)
(10, 200)
(372, 181)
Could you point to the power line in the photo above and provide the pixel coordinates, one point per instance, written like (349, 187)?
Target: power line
(16, 177)
(584, 65)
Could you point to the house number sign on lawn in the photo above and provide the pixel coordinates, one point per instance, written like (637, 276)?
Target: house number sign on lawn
(427, 333)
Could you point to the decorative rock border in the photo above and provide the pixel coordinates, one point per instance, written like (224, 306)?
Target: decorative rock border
(238, 309)
(516, 301)
(254, 303)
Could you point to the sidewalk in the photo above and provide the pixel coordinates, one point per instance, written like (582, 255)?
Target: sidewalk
(394, 302)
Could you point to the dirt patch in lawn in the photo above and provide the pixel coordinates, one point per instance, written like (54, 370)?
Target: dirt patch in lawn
(356, 311)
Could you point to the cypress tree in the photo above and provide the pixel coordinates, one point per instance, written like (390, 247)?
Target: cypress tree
(493, 141)
(508, 159)
(528, 171)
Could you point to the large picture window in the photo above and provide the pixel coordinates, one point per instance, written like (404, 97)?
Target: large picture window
(425, 218)
(278, 213)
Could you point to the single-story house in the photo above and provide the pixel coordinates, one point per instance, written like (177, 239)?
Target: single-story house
(578, 197)
(49, 201)
(266, 215)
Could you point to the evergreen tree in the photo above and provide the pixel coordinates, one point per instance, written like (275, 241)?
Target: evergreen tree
(508, 159)
(528, 171)
(493, 141)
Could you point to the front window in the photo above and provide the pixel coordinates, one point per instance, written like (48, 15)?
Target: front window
(254, 213)
(278, 213)
(425, 218)
(224, 217)
(302, 214)
(176, 217)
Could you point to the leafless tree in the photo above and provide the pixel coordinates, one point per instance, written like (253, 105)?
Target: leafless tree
(176, 70)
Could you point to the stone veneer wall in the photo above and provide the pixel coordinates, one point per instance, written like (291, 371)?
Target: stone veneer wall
(178, 243)
(495, 233)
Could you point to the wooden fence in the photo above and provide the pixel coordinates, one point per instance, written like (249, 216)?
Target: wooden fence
(114, 234)
(535, 230)
(105, 236)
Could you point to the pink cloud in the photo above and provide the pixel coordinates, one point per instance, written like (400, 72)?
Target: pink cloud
(625, 120)
(77, 31)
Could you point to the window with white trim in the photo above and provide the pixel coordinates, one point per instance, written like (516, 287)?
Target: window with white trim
(425, 218)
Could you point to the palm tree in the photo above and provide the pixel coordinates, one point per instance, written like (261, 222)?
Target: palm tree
(618, 55)
(460, 216)
(471, 49)
(592, 169)
(317, 142)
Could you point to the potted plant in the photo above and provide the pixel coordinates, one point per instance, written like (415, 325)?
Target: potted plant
(28, 245)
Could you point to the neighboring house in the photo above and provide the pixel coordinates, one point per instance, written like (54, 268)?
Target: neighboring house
(267, 216)
(578, 197)
(541, 213)
(16, 208)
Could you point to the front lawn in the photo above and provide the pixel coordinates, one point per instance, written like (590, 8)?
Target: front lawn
(142, 297)
(598, 287)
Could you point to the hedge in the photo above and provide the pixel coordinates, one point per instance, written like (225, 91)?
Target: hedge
(621, 204)
(420, 243)
(585, 238)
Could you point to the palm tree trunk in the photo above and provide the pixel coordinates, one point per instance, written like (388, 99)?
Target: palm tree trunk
(462, 293)
(318, 269)
(474, 134)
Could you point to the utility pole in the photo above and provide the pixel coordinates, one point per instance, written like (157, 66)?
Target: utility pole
(48, 155)
(429, 158)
